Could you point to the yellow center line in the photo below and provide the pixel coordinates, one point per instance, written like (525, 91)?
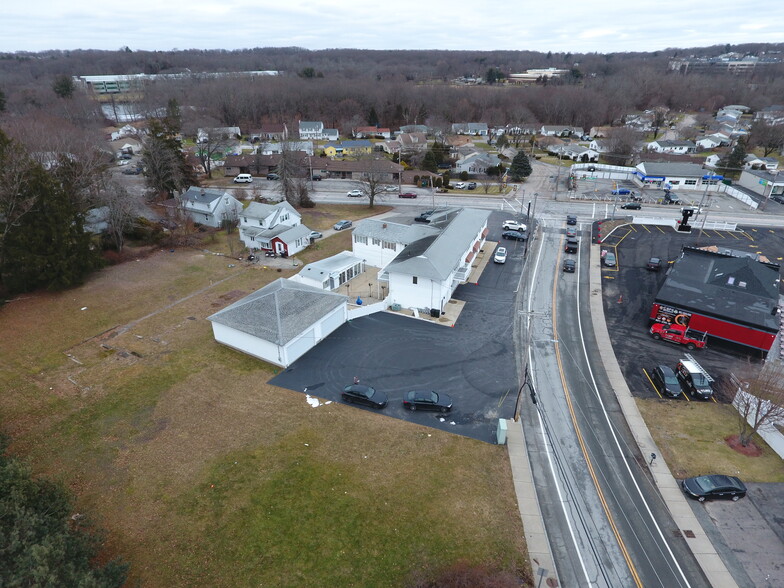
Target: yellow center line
(578, 432)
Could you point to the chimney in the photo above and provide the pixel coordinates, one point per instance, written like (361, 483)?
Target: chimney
(384, 226)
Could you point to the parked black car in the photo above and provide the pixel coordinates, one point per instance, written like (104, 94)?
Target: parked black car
(367, 395)
(273, 177)
(515, 235)
(714, 486)
(425, 216)
(654, 264)
(427, 400)
(665, 381)
(471, 185)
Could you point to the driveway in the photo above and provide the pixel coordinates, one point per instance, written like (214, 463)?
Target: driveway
(473, 361)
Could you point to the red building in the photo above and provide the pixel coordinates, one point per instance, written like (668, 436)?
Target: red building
(730, 295)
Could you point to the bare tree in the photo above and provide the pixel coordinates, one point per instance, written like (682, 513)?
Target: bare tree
(622, 143)
(769, 137)
(373, 177)
(659, 118)
(211, 142)
(122, 210)
(15, 198)
(293, 170)
(759, 397)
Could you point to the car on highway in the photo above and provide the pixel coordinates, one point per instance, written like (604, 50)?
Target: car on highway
(361, 394)
(407, 195)
(500, 255)
(571, 232)
(515, 235)
(243, 179)
(571, 245)
(609, 259)
(315, 235)
(355, 194)
(654, 264)
(427, 400)
(389, 188)
(273, 176)
(569, 266)
(664, 380)
(460, 186)
(631, 206)
(714, 486)
(342, 224)
(571, 219)
(621, 191)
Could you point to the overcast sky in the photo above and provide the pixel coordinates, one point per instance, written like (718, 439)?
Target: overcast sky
(558, 26)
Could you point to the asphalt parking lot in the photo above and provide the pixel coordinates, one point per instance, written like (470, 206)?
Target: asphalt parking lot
(473, 361)
(629, 291)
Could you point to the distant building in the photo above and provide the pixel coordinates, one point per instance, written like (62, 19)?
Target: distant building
(732, 63)
(119, 84)
(531, 76)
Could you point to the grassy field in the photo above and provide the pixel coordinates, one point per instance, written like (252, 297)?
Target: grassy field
(691, 436)
(202, 473)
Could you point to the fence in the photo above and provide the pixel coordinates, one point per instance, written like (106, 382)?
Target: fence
(738, 195)
(355, 311)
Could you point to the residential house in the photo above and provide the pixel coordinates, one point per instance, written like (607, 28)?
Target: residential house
(416, 141)
(277, 148)
(415, 129)
(514, 130)
(217, 133)
(270, 132)
(348, 148)
(708, 142)
(773, 115)
(763, 182)
(575, 152)
(676, 146)
(311, 130)
(712, 160)
(380, 241)
(348, 169)
(674, 176)
(331, 135)
(476, 163)
(426, 273)
(280, 322)
(560, 131)
(372, 132)
(599, 146)
(209, 206)
(256, 164)
(600, 132)
(332, 272)
(754, 162)
(273, 227)
(476, 129)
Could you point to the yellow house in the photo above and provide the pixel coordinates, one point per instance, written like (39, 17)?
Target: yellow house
(348, 148)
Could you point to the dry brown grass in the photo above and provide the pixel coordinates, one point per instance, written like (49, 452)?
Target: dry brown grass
(203, 473)
(691, 436)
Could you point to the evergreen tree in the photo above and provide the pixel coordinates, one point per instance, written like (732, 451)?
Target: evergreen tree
(373, 117)
(2, 101)
(520, 168)
(40, 544)
(429, 162)
(732, 163)
(63, 86)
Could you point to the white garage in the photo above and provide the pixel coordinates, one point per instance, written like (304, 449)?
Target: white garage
(280, 322)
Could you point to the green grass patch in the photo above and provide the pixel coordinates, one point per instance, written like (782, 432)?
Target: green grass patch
(691, 437)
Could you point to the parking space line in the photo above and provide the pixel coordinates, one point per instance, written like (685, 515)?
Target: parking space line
(652, 384)
(734, 236)
(646, 228)
(660, 229)
(745, 234)
(719, 234)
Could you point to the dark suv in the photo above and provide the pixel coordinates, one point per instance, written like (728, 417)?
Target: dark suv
(694, 379)
(665, 381)
(571, 245)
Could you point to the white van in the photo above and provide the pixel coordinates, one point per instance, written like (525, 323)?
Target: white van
(243, 179)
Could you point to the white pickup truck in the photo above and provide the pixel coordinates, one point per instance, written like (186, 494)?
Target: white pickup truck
(511, 225)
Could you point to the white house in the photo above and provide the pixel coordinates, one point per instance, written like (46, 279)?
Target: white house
(575, 152)
(267, 148)
(315, 131)
(273, 227)
(712, 160)
(754, 162)
(708, 142)
(771, 114)
(378, 242)
(204, 135)
(477, 129)
(675, 176)
(280, 322)
(476, 163)
(561, 131)
(332, 272)
(677, 147)
(209, 206)
(425, 274)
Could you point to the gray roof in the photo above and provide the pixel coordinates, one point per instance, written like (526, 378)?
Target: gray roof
(285, 233)
(393, 232)
(260, 210)
(311, 125)
(772, 176)
(196, 194)
(280, 311)
(435, 257)
(324, 267)
(674, 143)
(677, 169)
(737, 288)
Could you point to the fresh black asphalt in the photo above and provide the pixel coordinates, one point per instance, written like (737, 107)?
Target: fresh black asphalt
(473, 361)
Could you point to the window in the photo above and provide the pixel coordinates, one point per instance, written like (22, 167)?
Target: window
(359, 239)
(376, 241)
(415, 279)
(690, 182)
(388, 245)
(675, 182)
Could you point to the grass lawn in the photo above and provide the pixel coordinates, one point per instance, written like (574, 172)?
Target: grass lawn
(202, 473)
(691, 436)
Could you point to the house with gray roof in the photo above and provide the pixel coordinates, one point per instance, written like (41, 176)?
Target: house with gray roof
(380, 241)
(561, 131)
(675, 176)
(415, 129)
(275, 228)
(477, 162)
(751, 161)
(315, 131)
(477, 129)
(675, 146)
(331, 273)
(280, 322)
(209, 206)
(768, 184)
(425, 274)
